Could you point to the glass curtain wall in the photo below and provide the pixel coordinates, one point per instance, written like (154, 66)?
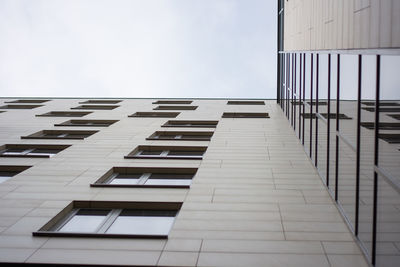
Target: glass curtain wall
(345, 109)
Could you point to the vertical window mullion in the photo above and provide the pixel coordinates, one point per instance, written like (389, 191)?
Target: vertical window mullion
(311, 101)
(337, 127)
(144, 178)
(316, 110)
(328, 125)
(358, 152)
(376, 158)
(304, 95)
(108, 221)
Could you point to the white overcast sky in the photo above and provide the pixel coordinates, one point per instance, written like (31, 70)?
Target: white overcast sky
(138, 48)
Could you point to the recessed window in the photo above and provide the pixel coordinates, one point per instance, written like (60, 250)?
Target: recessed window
(113, 219)
(320, 103)
(60, 134)
(191, 124)
(184, 102)
(32, 150)
(87, 123)
(244, 115)
(101, 102)
(155, 114)
(325, 115)
(147, 177)
(390, 138)
(394, 116)
(27, 101)
(184, 136)
(6, 171)
(382, 109)
(167, 152)
(381, 103)
(240, 102)
(64, 114)
(96, 107)
(21, 106)
(382, 125)
(175, 108)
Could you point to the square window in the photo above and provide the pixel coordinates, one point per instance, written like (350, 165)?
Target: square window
(64, 114)
(167, 152)
(155, 114)
(113, 219)
(147, 177)
(182, 136)
(31, 150)
(191, 124)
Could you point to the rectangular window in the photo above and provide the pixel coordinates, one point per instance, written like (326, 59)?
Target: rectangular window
(28, 101)
(175, 108)
(87, 123)
(382, 109)
(20, 106)
(8, 171)
(60, 134)
(395, 116)
(96, 107)
(381, 103)
(255, 115)
(147, 177)
(390, 138)
(183, 136)
(240, 102)
(31, 150)
(176, 102)
(167, 152)
(113, 219)
(382, 125)
(64, 114)
(100, 102)
(191, 124)
(155, 114)
(325, 115)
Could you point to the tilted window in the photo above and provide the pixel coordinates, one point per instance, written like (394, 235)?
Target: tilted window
(100, 102)
(147, 177)
(31, 150)
(183, 136)
(96, 107)
(243, 102)
(254, 115)
(20, 106)
(167, 152)
(60, 134)
(175, 108)
(64, 114)
(87, 123)
(191, 124)
(184, 102)
(155, 114)
(8, 171)
(113, 219)
(28, 101)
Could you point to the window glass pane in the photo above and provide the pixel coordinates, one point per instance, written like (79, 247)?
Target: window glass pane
(150, 153)
(168, 182)
(141, 225)
(170, 176)
(185, 153)
(4, 178)
(124, 181)
(83, 223)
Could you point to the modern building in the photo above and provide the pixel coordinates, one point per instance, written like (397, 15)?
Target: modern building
(162, 182)
(338, 85)
(309, 179)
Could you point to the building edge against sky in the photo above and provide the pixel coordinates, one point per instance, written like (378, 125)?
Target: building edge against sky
(338, 80)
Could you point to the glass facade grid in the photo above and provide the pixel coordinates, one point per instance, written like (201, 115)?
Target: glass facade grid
(324, 96)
